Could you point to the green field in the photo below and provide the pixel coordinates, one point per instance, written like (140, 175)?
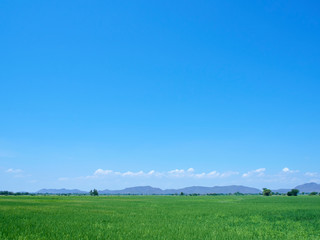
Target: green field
(159, 217)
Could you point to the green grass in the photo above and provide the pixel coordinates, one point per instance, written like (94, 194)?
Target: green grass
(159, 217)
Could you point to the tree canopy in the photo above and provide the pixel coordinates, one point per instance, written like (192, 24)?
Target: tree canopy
(94, 192)
(266, 192)
(293, 192)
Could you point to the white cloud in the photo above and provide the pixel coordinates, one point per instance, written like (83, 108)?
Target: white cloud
(181, 173)
(176, 171)
(17, 173)
(102, 172)
(140, 173)
(284, 177)
(287, 170)
(228, 174)
(258, 172)
(11, 170)
(213, 174)
(200, 175)
(311, 174)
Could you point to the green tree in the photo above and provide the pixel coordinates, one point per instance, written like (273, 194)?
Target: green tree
(266, 192)
(293, 192)
(238, 193)
(313, 193)
(94, 192)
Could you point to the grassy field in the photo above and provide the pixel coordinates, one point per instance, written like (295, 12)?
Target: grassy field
(159, 217)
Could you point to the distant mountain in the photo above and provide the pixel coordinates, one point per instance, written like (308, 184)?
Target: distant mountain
(144, 190)
(308, 187)
(147, 190)
(216, 189)
(61, 191)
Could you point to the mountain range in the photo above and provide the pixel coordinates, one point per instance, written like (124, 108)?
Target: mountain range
(306, 188)
(61, 191)
(147, 190)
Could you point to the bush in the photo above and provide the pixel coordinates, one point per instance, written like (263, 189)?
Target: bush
(266, 192)
(94, 192)
(238, 193)
(6, 193)
(293, 192)
(313, 193)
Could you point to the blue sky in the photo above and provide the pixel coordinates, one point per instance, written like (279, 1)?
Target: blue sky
(113, 94)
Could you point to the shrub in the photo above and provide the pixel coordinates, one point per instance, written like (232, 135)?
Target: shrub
(313, 193)
(94, 192)
(266, 192)
(293, 192)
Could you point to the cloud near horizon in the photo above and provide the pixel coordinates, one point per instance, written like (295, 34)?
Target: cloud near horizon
(17, 173)
(175, 173)
(177, 177)
(312, 174)
(12, 170)
(258, 172)
(287, 170)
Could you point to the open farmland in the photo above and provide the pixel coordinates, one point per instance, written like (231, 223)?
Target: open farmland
(159, 217)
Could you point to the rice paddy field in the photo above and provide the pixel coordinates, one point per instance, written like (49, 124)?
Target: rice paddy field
(159, 217)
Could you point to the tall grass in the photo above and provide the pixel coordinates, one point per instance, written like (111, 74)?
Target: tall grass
(159, 217)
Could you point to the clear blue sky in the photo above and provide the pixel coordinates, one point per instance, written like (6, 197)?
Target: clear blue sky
(130, 86)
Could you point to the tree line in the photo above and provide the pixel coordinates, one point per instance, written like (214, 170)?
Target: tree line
(293, 192)
(94, 192)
